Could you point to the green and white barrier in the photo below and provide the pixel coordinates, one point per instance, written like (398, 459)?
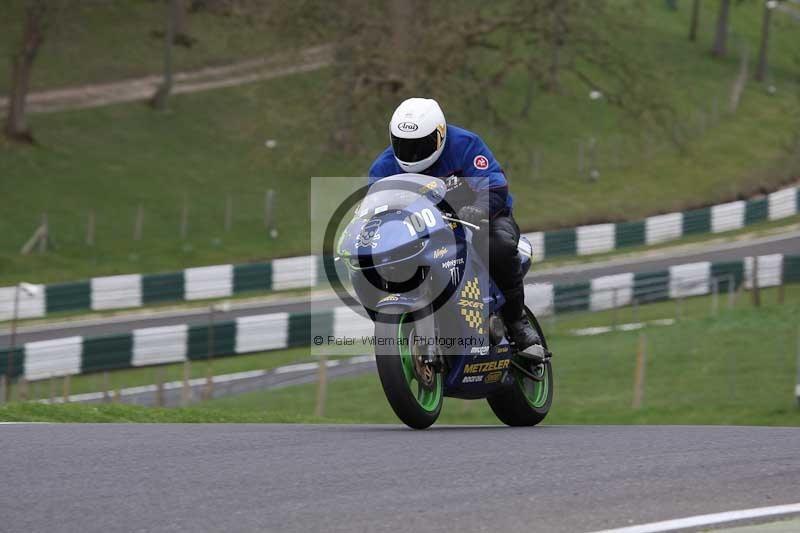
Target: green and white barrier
(220, 281)
(275, 331)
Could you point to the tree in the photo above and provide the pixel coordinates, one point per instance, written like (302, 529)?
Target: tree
(464, 54)
(159, 99)
(761, 67)
(181, 17)
(720, 46)
(33, 32)
(695, 20)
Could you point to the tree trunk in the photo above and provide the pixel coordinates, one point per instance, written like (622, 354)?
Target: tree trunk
(16, 127)
(159, 99)
(180, 16)
(720, 47)
(557, 37)
(695, 20)
(761, 68)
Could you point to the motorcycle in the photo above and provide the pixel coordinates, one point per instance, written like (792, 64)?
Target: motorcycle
(438, 331)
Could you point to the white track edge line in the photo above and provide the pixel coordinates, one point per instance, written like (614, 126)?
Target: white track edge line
(708, 519)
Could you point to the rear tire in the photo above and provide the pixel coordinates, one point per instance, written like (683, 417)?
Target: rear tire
(527, 402)
(416, 406)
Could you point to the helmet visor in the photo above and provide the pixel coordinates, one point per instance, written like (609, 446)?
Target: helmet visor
(413, 150)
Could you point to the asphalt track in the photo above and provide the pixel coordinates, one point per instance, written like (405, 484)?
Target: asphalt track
(385, 478)
(786, 243)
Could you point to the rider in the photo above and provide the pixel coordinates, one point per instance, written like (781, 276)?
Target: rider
(423, 143)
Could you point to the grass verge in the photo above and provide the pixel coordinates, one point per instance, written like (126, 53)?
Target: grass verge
(737, 367)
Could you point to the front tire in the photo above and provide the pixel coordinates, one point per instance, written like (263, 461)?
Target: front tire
(527, 402)
(417, 406)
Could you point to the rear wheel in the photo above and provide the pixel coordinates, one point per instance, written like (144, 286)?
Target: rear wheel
(528, 401)
(414, 390)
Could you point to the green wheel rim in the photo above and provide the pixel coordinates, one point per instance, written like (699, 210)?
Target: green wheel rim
(427, 399)
(535, 392)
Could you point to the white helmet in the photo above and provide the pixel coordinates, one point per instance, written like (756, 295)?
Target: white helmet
(418, 132)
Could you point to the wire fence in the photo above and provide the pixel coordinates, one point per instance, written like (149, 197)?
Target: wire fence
(221, 281)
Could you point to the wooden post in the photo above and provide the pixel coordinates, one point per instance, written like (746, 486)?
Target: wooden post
(731, 290)
(52, 389)
(185, 216)
(160, 386)
(614, 308)
(22, 387)
(714, 296)
(756, 288)
(186, 391)
(639, 376)
(4, 387)
(66, 384)
(117, 396)
(208, 393)
(210, 354)
(322, 387)
(137, 226)
(797, 381)
(90, 223)
(781, 290)
(228, 212)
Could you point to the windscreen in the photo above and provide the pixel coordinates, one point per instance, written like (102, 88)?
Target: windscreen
(398, 192)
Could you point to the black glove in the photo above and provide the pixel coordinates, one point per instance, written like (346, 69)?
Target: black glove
(473, 214)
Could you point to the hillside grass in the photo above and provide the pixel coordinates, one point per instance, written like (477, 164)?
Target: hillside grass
(737, 367)
(211, 145)
(96, 42)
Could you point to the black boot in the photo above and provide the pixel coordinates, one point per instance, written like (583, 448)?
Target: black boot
(520, 330)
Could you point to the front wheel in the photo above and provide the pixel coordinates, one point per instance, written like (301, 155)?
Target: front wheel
(527, 402)
(414, 390)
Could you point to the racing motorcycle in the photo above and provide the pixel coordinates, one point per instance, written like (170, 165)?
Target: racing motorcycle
(413, 267)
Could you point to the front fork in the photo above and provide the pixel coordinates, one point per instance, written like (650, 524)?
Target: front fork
(426, 329)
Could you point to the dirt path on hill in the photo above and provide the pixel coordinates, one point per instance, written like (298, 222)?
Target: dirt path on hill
(249, 71)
